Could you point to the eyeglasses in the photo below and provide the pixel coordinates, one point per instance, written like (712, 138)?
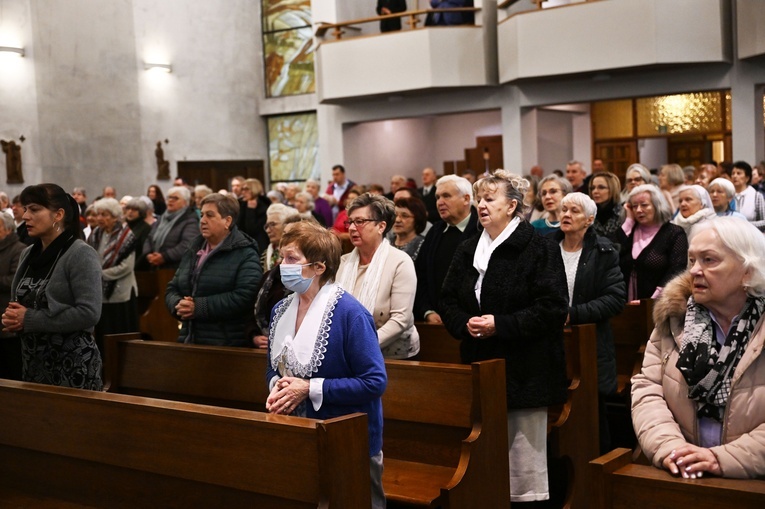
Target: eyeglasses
(635, 180)
(173, 197)
(269, 225)
(359, 223)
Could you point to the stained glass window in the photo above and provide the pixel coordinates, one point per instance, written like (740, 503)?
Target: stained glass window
(288, 47)
(293, 147)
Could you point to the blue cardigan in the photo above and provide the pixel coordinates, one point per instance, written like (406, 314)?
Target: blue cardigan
(353, 367)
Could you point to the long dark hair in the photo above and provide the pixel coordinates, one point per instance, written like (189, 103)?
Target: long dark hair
(53, 197)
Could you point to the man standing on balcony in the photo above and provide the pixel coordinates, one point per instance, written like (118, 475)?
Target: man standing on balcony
(390, 7)
(450, 18)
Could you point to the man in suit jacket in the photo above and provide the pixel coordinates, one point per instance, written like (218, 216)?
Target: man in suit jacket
(458, 222)
(428, 193)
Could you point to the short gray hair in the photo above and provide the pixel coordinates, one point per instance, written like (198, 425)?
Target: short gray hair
(586, 203)
(462, 184)
(8, 221)
(660, 205)
(181, 191)
(227, 205)
(308, 197)
(564, 184)
(109, 205)
(644, 173)
(380, 207)
(281, 211)
(726, 185)
(139, 205)
(746, 242)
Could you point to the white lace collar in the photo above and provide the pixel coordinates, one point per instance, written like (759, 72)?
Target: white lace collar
(300, 353)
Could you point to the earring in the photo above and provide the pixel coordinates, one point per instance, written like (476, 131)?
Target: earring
(56, 226)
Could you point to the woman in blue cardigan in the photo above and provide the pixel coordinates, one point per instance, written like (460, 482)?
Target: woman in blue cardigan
(324, 358)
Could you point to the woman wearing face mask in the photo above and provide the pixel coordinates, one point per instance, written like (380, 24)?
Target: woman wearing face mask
(380, 276)
(213, 290)
(324, 359)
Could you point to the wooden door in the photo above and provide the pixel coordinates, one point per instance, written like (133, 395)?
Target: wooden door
(688, 151)
(218, 174)
(617, 156)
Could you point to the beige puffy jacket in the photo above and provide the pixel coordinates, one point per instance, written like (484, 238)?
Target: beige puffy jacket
(664, 417)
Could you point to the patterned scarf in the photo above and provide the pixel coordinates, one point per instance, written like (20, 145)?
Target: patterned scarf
(119, 245)
(706, 365)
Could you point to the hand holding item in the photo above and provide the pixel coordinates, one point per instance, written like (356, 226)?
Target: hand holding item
(482, 326)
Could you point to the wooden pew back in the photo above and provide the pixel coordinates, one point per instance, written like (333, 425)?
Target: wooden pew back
(113, 450)
(620, 484)
(154, 318)
(631, 330)
(445, 425)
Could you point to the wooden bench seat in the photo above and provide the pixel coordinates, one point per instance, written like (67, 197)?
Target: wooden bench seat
(118, 451)
(620, 484)
(445, 429)
(573, 426)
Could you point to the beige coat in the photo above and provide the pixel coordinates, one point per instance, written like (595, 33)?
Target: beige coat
(393, 308)
(665, 418)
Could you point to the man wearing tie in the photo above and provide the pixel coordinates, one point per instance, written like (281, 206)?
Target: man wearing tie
(428, 193)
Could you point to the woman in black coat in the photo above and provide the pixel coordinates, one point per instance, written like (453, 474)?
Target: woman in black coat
(653, 250)
(596, 288)
(505, 297)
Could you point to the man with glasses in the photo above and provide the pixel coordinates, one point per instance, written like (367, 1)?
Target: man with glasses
(459, 221)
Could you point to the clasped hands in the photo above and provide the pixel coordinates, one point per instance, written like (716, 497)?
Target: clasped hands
(286, 394)
(691, 461)
(185, 308)
(481, 326)
(13, 318)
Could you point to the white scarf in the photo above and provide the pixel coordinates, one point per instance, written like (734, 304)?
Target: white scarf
(484, 250)
(300, 353)
(745, 201)
(349, 271)
(698, 216)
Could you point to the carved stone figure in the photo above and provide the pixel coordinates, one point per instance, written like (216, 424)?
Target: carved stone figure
(163, 167)
(12, 162)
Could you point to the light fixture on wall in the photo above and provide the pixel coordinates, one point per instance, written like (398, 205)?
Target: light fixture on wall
(157, 67)
(11, 49)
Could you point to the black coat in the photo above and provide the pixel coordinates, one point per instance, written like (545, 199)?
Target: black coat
(525, 289)
(599, 295)
(661, 260)
(394, 6)
(428, 294)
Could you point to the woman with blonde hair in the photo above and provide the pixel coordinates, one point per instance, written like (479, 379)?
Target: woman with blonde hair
(671, 178)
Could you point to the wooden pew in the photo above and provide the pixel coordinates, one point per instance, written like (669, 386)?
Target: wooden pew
(445, 429)
(117, 451)
(153, 316)
(620, 484)
(631, 329)
(572, 427)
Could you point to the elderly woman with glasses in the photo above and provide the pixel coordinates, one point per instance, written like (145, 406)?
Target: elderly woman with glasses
(171, 235)
(381, 277)
(653, 250)
(275, 216)
(636, 175)
(505, 297)
(213, 291)
(552, 189)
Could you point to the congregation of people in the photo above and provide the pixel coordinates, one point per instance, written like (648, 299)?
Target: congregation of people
(331, 283)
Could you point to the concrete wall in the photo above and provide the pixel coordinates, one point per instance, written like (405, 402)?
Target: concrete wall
(91, 113)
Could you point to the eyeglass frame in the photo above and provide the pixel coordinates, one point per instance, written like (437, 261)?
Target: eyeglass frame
(348, 222)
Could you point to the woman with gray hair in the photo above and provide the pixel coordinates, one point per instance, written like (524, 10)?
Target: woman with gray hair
(596, 290)
(505, 296)
(135, 217)
(721, 192)
(698, 403)
(115, 244)
(695, 206)
(276, 214)
(171, 234)
(653, 250)
(552, 189)
(305, 206)
(380, 276)
(636, 175)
